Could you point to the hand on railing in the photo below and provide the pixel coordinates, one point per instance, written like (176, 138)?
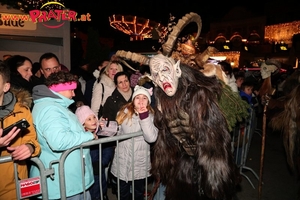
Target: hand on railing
(21, 152)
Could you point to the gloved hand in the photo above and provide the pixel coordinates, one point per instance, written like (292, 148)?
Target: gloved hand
(181, 124)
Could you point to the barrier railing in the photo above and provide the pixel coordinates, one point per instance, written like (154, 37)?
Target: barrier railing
(241, 141)
(49, 172)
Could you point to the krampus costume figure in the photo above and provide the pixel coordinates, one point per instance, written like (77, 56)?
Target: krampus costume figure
(192, 155)
(288, 120)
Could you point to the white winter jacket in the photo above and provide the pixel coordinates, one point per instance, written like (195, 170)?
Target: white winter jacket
(109, 87)
(142, 164)
(232, 83)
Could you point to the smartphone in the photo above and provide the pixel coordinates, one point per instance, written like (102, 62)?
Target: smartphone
(22, 124)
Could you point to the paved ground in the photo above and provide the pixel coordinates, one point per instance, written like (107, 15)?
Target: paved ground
(278, 182)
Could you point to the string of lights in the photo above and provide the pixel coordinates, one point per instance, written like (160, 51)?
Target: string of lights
(137, 27)
(282, 32)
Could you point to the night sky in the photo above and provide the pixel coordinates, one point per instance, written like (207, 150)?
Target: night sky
(159, 10)
(156, 10)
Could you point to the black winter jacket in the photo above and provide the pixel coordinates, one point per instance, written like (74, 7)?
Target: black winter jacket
(113, 104)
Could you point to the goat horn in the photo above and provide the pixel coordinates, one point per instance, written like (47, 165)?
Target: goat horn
(135, 57)
(201, 58)
(185, 20)
(127, 65)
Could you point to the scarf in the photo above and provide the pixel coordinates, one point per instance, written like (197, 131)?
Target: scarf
(126, 95)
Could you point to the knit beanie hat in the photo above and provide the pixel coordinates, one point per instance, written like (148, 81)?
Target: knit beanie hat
(83, 112)
(134, 78)
(141, 90)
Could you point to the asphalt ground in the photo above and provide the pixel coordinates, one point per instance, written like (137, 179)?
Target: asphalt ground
(278, 181)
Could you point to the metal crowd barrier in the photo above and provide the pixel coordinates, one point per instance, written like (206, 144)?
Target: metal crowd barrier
(48, 171)
(241, 141)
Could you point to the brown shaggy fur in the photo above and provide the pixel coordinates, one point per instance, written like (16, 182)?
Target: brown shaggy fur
(288, 121)
(210, 172)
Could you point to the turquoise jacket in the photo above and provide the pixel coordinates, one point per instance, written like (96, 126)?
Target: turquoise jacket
(58, 129)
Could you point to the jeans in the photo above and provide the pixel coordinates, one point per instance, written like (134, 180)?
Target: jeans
(139, 189)
(107, 154)
(160, 193)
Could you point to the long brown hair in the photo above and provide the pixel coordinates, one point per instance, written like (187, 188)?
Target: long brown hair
(122, 115)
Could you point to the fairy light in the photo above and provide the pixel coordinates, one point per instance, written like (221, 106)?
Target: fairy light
(137, 27)
(232, 57)
(282, 32)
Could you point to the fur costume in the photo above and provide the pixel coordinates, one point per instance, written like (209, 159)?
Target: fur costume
(288, 120)
(207, 171)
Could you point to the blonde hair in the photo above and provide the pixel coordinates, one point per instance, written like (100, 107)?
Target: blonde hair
(122, 115)
(119, 66)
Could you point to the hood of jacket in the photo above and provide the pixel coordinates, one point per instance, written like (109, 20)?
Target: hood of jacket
(41, 92)
(22, 96)
(247, 96)
(8, 104)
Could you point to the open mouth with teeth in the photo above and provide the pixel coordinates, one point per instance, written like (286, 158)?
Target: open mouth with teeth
(166, 86)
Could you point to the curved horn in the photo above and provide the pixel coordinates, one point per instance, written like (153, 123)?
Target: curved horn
(185, 20)
(135, 57)
(201, 59)
(127, 65)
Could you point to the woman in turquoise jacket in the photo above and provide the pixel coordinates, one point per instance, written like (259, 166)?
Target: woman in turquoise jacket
(58, 130)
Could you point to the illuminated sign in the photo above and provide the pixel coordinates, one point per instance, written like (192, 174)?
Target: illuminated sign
(17, 21)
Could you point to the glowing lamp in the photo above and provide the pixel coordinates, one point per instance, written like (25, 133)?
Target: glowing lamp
(220, 58)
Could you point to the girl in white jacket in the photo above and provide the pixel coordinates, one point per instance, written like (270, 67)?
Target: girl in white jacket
(136, 116)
